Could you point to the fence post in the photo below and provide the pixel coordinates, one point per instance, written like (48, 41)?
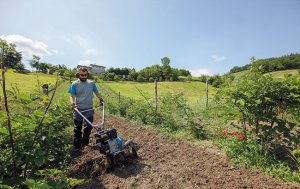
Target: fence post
(206, 92)
(155, 95)
(119, 97)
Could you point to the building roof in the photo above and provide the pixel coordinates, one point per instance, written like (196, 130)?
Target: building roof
(91, 65)
(95, 65)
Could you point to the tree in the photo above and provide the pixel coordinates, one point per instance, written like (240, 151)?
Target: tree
(166, 68)
(252, 59)
(132, 75)
(61, 69)
(183, 72)
(165, 61)
(215, 81)
(203, 78)
(11, 57)
(43, 67)
(35, 62)
(235, 69)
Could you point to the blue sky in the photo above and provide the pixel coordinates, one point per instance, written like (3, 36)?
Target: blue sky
(203, 36)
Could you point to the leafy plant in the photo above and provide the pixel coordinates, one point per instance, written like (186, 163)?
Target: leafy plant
(269, 108)
(38, 131)
(296, 156)
(268, 115)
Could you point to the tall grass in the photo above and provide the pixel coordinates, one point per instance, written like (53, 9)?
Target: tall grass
(173, 113)
(194, 92)
(27, 83)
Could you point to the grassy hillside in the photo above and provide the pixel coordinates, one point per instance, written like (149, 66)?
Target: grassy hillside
(280, 74)
(194, 91)
(276, 74)
(27, 82)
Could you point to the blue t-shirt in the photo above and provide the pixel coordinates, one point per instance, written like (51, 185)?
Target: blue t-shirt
(83, 92)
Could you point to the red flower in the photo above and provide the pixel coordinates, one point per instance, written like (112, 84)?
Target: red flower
(240, 137)
(224, 132)
(233, 132)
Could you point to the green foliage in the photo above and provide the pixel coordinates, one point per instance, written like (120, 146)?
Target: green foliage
(193, 91)
(41, 66)
(147, 74)
(296, 157)
(141, 112)
(51, 178)
(287, 62)
(242, 152)
(173, 113)
(268, 112)
(165, 61)
(255, 156)
(11, 57)
(203, 78)
(50, 146)
(282, 171)
(269, 107)
(215, 81)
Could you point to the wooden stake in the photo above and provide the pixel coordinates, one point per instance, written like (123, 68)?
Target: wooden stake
(206, 92)
(155, 95)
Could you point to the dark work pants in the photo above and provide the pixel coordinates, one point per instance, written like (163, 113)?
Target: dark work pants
(81, 140)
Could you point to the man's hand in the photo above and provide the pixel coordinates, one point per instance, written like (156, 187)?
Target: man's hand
(101, 101)
(74, 105)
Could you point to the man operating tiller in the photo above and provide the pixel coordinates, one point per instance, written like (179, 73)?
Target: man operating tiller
(81, 98)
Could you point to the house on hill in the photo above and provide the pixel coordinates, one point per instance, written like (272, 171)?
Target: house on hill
(94, 69)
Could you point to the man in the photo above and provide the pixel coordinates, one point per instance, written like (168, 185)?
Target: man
(81, 98)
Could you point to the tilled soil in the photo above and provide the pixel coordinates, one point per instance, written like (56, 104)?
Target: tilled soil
(165, 162)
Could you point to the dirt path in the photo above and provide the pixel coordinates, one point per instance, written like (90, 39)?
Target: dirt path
(165, 162)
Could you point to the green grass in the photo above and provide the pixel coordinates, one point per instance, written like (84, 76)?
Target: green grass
(280, 74)
(193, 91)
(61, 93)
(27, 83)
(276, 74)
(241, 73)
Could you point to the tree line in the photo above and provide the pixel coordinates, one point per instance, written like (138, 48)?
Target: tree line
(164, 72)
(12, 59)
(156, 72)
(286, 62)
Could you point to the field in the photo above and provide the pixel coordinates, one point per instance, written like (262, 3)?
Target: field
(26, 83)
(172, 153)
(193, 91)
(280, 74)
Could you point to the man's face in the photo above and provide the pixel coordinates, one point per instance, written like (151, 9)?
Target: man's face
(82, 76)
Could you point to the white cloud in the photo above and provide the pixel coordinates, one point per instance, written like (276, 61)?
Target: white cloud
(27, 46)
(218, 58)
(83, 42)
(199, 72)
(80, 40)
(85, 62)
(58, 52)
(90, 51)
